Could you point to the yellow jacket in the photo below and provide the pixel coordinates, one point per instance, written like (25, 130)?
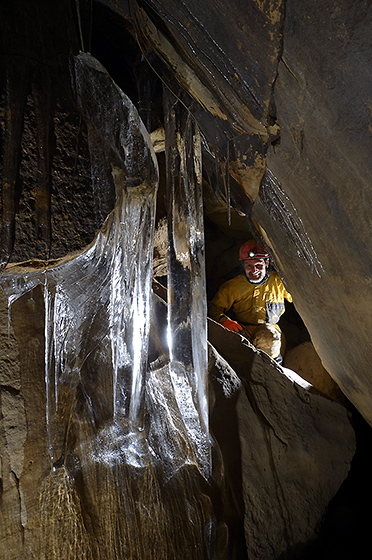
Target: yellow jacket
(248, 303)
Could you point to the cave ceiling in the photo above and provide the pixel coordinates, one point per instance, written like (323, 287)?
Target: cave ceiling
(282, 94)
(223, 71)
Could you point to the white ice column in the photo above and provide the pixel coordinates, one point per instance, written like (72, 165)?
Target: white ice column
(187, 307)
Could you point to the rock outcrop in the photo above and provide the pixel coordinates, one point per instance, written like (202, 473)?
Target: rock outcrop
(314, 206)
(292, 452)
(305, 361)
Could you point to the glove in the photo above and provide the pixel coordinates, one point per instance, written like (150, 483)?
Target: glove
(232, 325)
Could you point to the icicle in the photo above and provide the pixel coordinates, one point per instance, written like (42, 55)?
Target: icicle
(9, 315)
(102, 294)
(103, 187)
(130, 303)
(186, 277)
(97, 321)
(48, 349)
(227, 183)
(135, 175)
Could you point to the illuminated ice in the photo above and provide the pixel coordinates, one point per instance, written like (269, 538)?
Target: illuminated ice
(100, 382)
(187, 314)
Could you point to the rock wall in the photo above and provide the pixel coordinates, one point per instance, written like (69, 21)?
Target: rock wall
(289, 458)
(282, 96)
(314, 209)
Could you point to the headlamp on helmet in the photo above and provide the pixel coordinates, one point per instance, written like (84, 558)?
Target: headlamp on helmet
(250, 250)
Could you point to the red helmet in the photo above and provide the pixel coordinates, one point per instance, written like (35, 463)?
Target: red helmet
(250, 250)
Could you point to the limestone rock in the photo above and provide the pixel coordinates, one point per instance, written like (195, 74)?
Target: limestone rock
(296, 452)
(9, 352)
(314, 210)
(304, 360)
(295, 448)
(24, 455)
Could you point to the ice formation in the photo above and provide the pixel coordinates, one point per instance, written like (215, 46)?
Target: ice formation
(98, 302)
(187, 314)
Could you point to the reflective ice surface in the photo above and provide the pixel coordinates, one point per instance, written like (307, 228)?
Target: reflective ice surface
(283, 211)
(97, 304)
(130, 407)
(187, 316)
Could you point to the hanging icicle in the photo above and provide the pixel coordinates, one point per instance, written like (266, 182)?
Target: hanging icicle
(228, 183)
(187, 313)
(121, 417)
(97, 303)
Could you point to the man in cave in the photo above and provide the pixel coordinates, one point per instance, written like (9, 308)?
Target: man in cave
(251, 303)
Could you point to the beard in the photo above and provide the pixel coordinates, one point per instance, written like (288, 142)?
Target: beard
(261, 280)
(256, 280)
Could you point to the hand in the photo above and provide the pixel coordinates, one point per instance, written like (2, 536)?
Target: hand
(232, 325)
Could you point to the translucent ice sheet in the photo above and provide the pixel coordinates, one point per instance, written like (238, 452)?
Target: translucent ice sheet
(98, 304)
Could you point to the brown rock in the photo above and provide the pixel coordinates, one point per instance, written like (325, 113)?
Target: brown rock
(295, 447)
(304, 360)
(314, 209)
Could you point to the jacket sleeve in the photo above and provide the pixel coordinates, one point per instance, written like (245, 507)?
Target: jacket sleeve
(221, 303)
(288, 296)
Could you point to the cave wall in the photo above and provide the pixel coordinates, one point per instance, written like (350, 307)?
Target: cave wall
(291, 79)
(47, 205)
(283, 102)
(322, 172)
(309, 106)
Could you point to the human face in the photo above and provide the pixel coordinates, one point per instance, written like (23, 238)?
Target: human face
(255, 269)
